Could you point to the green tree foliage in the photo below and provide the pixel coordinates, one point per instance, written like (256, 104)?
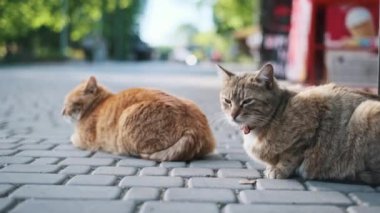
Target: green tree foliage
(19, 17)
(230, 15)
(120, 26)
(33, 27)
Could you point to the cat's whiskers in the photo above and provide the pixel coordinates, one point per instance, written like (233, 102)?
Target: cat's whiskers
(221, 120)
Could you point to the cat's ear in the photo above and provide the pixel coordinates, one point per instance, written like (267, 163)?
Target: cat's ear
(265, 76)
(91, 86)
(224, 73)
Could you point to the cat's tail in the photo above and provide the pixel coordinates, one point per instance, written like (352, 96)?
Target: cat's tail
(186, 148)
(369, 177)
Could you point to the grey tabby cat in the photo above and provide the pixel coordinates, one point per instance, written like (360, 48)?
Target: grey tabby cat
(326, 132)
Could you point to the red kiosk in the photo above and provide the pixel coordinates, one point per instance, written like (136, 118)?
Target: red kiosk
(334, 40)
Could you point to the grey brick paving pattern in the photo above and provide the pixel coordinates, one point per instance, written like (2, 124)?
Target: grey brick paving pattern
(178, 207)
(364, 209)
(293, 197)
(192, 172)
(40, 170)
(65, 206)
(67, 192)
(106, 180)
(4, 203)
(111, 170)
(238, 208)
(142, 194)
(325, 186)
(75, 169)
(4, 188)
(152, 171)
(269, 184)
(200, 195)
(366, 198)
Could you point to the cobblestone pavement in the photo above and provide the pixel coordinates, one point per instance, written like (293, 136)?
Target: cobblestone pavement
(40, 171)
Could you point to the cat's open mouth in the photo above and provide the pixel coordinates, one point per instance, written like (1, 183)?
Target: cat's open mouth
(245, 128)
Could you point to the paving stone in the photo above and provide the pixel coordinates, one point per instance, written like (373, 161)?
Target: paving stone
(238, 173)
(238, 156)
(225, 183)
(239, 208)
(231, 144)
(113, 170)
(363, 209)
(172, 164)
(5, 188)
(66, 192)
(278, 184)
(255, 165)
(15, 160)
(54, 153)
(152, 181)
(105, 180)
(65, 147)
(200, 195)
(178, 207)
(213, 157)
(8, 145)
(87, 161)
(366, 198)
(10, 140)
(36, 147)
(293, 197)
(109, 155)
(75, 169)
(229, 150)
(341, 187)
(74, 206)
(4, 204)
(31, 140)
(142, 194)
(32, 178)
(136, 162)
(45, 161)
(215, 164)
(7, 152)
(192, 172)
(58, 141)
(24, 168)
(154, 171)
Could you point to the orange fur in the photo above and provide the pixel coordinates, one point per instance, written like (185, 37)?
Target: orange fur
(139, 122)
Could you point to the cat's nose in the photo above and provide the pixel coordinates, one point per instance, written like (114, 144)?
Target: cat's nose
(235, 114)
(235, 111)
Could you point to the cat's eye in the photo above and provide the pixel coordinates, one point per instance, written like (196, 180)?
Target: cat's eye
(227, 101)
(247, 101)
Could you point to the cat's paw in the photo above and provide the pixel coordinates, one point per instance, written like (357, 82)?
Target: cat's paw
(76, 142)
(274, 173)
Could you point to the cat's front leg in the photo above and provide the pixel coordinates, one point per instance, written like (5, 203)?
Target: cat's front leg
(284, 168)
(75, 139)
(275, 173)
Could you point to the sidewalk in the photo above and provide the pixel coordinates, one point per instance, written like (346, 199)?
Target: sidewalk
(40, 171)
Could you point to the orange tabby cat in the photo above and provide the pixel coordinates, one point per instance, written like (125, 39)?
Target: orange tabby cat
(139, 122)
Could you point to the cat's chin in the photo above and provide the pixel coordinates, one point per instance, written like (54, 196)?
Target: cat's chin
(72, 119)
(242, 126)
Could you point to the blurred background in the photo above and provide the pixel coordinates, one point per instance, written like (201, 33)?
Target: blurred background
(308, 41)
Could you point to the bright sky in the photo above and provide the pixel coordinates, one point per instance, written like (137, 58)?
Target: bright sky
(162, 18)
